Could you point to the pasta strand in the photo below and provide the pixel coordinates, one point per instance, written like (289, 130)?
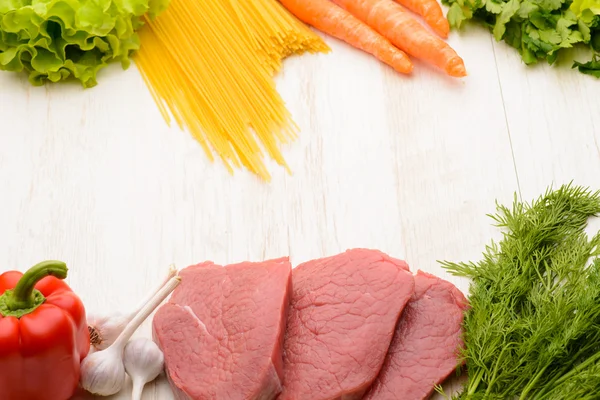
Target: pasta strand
(211, 63)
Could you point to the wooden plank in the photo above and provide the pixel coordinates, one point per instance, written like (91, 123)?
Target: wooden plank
(406, 165)
(453, 159)
(452, 162)
(553, 120)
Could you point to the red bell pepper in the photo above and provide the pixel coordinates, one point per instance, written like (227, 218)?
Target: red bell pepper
(43, 334)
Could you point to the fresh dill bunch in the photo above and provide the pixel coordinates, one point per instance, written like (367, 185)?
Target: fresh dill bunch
(533, 327)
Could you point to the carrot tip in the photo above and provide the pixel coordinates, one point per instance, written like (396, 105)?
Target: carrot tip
(442, 30)
(399, 61)
(456, 68)
(459, 72)
(406, 68)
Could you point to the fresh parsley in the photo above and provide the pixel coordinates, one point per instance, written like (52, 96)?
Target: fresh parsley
(537, 29)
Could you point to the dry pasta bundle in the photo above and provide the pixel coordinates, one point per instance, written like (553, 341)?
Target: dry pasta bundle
(210, 64)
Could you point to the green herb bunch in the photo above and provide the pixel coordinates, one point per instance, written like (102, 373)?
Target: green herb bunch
(533, 328)
(538, 29)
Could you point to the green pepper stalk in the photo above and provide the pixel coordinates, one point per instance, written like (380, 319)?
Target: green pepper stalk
(24, 298)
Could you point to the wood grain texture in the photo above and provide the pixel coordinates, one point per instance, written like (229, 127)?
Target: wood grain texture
(554, 127)
(406, 165)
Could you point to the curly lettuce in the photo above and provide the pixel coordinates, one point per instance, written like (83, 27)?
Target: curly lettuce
(55, 40)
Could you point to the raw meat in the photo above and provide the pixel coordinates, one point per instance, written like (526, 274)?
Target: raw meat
(222, 331)
(342, 318)
(425, 346)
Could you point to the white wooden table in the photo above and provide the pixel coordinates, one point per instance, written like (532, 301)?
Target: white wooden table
(409, 166)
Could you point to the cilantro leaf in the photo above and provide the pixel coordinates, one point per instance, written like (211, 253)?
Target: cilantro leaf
(537, 29)
(589, 68)
(457, 15)
(509, 10)
(585, 31)
(549, 5)
(513, 35)
(527, 7)
(493, 7)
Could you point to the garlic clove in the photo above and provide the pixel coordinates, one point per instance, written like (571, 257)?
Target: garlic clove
(144, 362)
(103, 372)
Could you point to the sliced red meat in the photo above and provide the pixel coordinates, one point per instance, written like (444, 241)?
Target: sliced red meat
(426, 344)
(222, 331)
(342, 318)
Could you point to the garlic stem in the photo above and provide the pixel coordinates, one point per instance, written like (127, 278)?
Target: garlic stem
(104, 329)
(103, 372)
(138, 389)
(145, 312)
(171, 274)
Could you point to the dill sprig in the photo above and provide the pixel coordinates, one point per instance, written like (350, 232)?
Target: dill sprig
(533, 328)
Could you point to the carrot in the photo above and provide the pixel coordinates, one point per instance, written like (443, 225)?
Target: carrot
(334, 21)
(431, 11)
(399, 27)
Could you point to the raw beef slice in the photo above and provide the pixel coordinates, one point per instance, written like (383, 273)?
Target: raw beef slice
(342, 317)
(427, 341)
(222, 331)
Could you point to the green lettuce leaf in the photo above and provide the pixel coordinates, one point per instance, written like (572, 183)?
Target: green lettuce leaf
(55, 40)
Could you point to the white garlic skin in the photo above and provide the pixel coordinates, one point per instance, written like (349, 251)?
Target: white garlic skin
(103, 373)
(108, 328)
(143, 360)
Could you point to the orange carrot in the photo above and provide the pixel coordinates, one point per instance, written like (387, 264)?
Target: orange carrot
(396, 24)
(334, 21)
(432, 13)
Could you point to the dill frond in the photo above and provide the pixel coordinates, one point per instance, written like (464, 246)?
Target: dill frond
(533, 328)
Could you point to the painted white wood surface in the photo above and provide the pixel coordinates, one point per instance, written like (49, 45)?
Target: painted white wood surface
(406, 165)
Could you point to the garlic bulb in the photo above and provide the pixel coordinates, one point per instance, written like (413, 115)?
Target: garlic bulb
(103, 372)
(104, 329)
(143, 362)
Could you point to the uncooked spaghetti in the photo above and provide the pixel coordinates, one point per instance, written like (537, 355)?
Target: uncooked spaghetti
(210, 64)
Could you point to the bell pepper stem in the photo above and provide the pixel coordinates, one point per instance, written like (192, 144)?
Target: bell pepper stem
(23, 296)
